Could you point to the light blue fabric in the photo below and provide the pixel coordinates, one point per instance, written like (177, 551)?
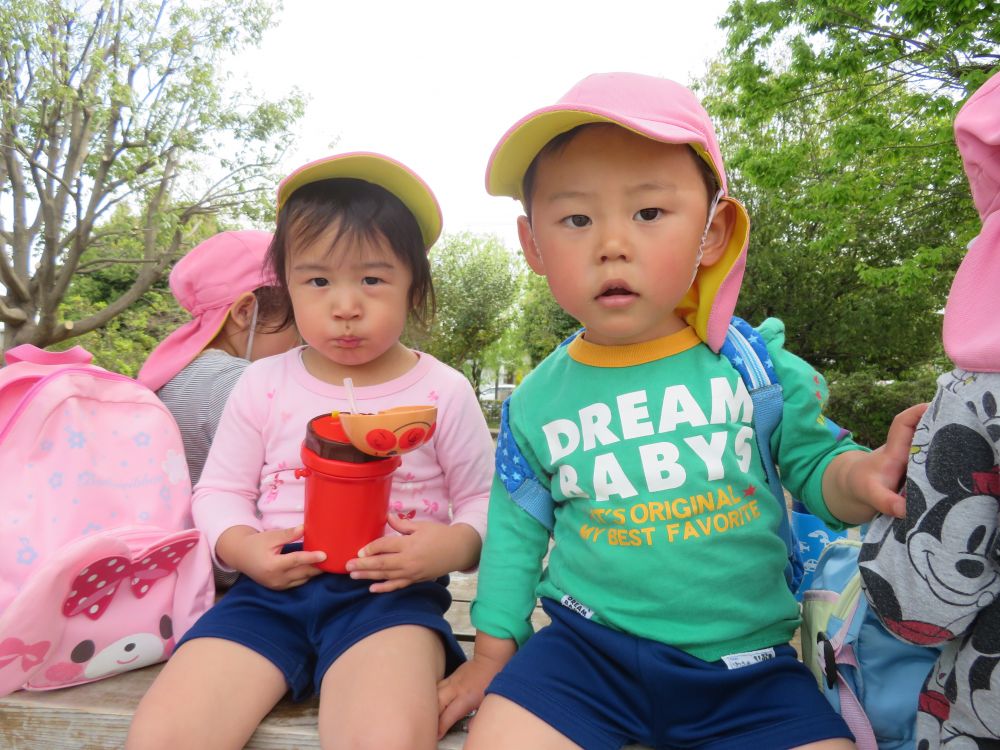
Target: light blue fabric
(812, 536)
(858, 653)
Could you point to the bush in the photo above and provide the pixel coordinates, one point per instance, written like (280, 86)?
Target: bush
(491, 410)
(866, 406)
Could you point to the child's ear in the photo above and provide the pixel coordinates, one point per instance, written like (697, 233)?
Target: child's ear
(528, 246)
(241, 311)
(719, 233)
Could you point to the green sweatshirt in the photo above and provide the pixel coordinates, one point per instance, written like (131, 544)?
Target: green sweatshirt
(665, 527)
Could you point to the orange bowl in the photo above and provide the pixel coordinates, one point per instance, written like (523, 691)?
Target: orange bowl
(391, 432)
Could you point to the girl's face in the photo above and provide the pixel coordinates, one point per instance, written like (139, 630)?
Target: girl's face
(351, 302)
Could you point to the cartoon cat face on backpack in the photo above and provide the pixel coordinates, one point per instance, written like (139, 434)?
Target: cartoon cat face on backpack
(121, 608)
(949, 550)
(113, 616)
(84, 656)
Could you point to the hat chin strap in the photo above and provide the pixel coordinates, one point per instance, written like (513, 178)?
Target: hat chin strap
(253, 329)
(704, 234)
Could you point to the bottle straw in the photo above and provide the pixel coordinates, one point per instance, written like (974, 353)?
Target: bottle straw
(349, 385)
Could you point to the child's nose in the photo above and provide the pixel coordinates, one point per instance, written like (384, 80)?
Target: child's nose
(346, 306)
(614, 244)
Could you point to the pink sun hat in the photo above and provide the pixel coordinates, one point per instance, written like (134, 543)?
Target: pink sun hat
(971, 332)
(379, 170)
(655, 108)
(206, 282)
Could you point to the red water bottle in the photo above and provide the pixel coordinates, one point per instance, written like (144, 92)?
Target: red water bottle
(346, 493)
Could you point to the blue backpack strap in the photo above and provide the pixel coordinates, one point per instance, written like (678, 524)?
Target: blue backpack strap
(516, 474)
(566, 341)
(519, 479)
(747, 352)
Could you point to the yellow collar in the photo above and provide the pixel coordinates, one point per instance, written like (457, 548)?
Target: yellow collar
(586, 353)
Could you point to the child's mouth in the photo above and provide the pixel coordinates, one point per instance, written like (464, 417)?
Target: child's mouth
(616, 290)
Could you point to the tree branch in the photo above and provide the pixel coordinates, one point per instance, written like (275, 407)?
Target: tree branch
(11, 315)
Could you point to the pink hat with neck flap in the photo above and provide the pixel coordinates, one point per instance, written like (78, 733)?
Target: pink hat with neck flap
(972, 314)
(206, 282)
(661, 110)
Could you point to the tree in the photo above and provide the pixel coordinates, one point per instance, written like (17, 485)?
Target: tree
(818, 45)
(123, 343)
(107, 103)
(476, 283)
(836, 118)
(542, 325)
(506, 357)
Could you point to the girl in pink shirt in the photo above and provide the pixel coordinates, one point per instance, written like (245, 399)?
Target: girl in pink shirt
(350, 252)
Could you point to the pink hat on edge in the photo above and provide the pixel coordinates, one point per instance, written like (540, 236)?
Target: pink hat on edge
(206, 282)
(655, 108)
(971, 333)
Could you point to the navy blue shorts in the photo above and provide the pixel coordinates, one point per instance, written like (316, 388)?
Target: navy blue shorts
(604, 689)
(303, 630)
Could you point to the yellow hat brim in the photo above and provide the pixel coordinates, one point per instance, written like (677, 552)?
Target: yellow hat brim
(379, 170)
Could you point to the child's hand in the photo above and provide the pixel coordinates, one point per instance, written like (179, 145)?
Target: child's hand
(258, 555)
(856, 483)
(425, 551)
(463, 691)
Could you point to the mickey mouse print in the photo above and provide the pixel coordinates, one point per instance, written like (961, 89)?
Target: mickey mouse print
(934, 576)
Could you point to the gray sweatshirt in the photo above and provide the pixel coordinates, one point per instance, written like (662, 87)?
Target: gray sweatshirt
(934, 577)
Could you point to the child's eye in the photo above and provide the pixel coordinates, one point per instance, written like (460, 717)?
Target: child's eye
(576, 220)
(318, 281)
(648, 214)
(370, 281)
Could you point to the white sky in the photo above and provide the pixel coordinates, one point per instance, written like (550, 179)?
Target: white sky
(435, 84)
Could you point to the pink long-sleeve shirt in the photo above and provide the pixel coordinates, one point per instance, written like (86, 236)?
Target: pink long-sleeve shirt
(249, 476)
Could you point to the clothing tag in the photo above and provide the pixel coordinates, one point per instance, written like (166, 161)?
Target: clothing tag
(571, 603)
(738, 661)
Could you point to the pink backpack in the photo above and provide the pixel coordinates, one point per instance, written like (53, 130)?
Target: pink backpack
(100, 570)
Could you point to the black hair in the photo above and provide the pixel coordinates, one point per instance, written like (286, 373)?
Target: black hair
(561, 141)
(271, 309)
(363, 211)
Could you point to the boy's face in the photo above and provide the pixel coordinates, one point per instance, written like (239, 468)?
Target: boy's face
(616, 223)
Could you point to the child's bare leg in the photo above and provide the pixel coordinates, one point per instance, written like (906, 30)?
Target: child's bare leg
(382, 692)
(212, 693)
(838, 744)
(501, 724)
